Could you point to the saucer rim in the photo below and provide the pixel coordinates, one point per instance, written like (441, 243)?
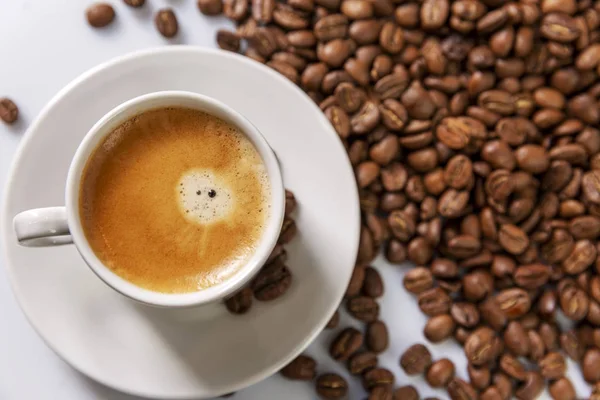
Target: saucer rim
(29, 136)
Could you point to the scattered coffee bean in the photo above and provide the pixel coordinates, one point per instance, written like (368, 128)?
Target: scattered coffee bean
(135, 3)
(302, 368)
(99, 15)
(363, 308)
(406, 393)
(373, 284)
(228, 40)
(334, 321)
(416, 359)
(360, 363)
(240, 302)
(210, 7)
(166, 22)
(440, 373)
(272, 281)
(377, 376)
(331, 386)
(377, 337)
(346, 344)
(9, 111)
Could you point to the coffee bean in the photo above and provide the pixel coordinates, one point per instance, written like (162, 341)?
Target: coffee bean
(99, 15)
(9, 111)
(301, 368)
(513, 239)
(532, 276)
(363, 308)
(532, 387)
(434, 302)
(331, 386)
(377, 337)
(381, 392)
(356, 281)
(206, 7)
(461, 390)
(439, 328)
(166, 22)
(537, 347)
(359, 363)
(135, 3)
(418, 280)
(377, 377)
(465, 314)
(440, 373)
(288, 231)
(406, 393)
(552, 366)
(346, 343)
(589, 365)
(272, 281)
(481, 346)
(373, 284)
(416, 359)
(512, 367)
(516, 339)
(562, 389)
(228, 40)
(479, 377)
(240, 302)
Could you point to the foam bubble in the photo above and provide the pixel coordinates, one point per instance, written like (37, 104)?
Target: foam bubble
(203, 197)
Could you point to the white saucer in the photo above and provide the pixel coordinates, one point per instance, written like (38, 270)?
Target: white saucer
(188, 354)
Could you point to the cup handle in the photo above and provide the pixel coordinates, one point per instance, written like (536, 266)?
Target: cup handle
(41, 227)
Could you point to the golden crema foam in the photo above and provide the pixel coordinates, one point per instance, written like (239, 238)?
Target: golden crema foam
(175, 200)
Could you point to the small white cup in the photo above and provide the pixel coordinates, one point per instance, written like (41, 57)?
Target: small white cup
(60, 225)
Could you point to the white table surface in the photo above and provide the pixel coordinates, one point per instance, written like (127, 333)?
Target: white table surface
(44, 45)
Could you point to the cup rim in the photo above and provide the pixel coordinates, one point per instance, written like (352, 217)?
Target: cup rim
(136, 106)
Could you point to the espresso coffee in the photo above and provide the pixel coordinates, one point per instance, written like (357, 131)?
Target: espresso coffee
(175, 200)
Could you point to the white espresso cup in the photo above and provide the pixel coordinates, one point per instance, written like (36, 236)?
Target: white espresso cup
(61, 225)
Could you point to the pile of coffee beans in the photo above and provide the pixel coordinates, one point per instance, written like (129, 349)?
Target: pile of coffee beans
(473, 128)
(274, 278)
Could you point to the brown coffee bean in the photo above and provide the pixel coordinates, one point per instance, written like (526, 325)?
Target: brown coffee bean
(363, 308)
(9, 112)
(513, 239)
(331, 386)
(377, 337)
(479, 377)
(99, 15)
(356, 282)
(481, 346)
(395, 252)
(206, 7)
(135, 3)
(574, 303)
(562, 389)
(559, 27)
(513, 302)
(406, 393)
(373, 284)
(461, 390)
(288, 231)
(377, 377)
(166, 22)
(434, 301)
(532, 387)
(365, 119)
(589, 365)
(334, 26)
(346, 343)
(552, 366)
(418, 280)
(240, 302)
(532, 276)
(416, 359)
(512, 367)
(301, 368)
(360, 363)
(465, 314)
(334, 53)
(458, 172)
(439, 328)
(272, 281)
(516, 339)
(583, 255)
(381, 392)
(339, 120)
(571, 345)
(440, 373)
(228, 40)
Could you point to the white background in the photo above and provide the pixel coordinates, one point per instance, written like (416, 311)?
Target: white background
(44, 44)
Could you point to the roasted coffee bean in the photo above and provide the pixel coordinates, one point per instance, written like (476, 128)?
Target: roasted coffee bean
(532, 276)
(302, 368)
(571, 345)
(589, 365)
(228, 40)
(512, 367)
(377, 337)
(272, 281)
(356, 281)
(331, 386)
(406, 393)
(416, 359)
(288, 231)
(514, 302)
(381, 392)
(240, 302)
(481, 346)
(434, 301)
(439, 328)
(166, 22)
(99, 15)
(479, 377)
(373, 284)
(135, 3)
(418, 280)
(359, 363)
(440, 373)
(532, 387)
(376, 377)
(206, 7)
(552, 366)
(461, 390)
(516, 339)
(363, 308)
(465, 314)
(562, 389)
(346, 343)
(9, 111)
